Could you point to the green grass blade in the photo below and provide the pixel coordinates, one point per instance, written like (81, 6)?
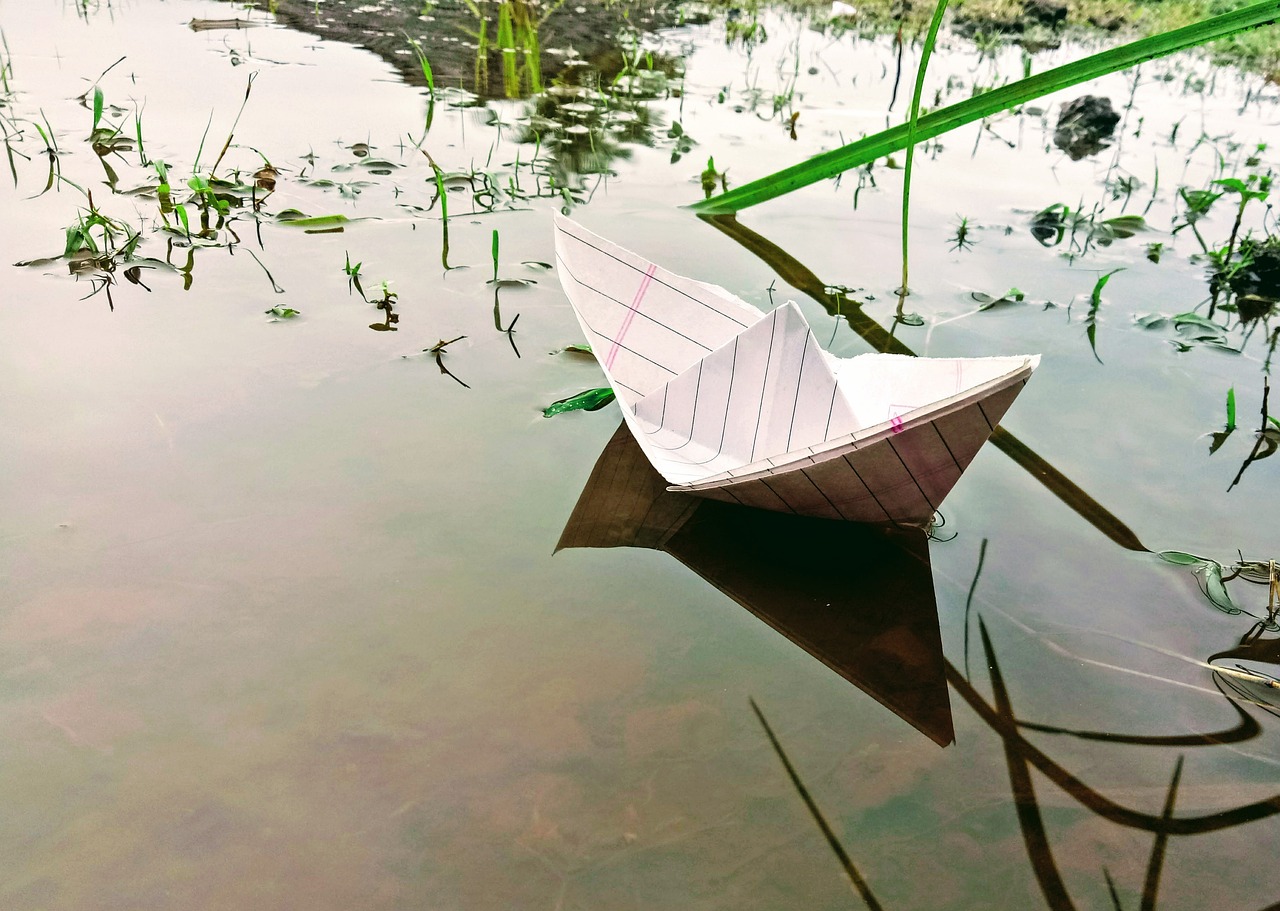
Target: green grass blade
(1095, 304)
(97, 106)
(1231, 408)
(589, 400)
(913, 120)
(836, 161)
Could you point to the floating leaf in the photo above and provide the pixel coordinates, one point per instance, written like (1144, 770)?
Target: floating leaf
(990, 302)
(1180, 558)
(298, 220)
(584, 348)
(1120, 227)
(1151, 321)
(1195, 319)
(590, 400)
(283, 312)
(1215, 589)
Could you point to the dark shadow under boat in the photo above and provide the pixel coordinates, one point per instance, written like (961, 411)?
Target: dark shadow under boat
(858, 598)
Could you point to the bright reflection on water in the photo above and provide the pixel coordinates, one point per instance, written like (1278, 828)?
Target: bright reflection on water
(282, 625)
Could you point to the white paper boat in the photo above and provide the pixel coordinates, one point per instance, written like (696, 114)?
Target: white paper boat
(734, 404)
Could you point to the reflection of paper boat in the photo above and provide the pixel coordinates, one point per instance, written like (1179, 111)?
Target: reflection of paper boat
(738, 405)
(859, 599)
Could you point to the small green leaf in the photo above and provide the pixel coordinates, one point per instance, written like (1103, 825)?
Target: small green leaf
(1234, 184)
(1231, 409)
(584, 348)
(1195, 319)
(1215, 589)
(1180, 558)
(314, 221)
(590, 400)
(282, 312)
(97, 106)
(1095, 296)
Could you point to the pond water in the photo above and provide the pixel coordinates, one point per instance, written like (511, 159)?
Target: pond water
(284, 623)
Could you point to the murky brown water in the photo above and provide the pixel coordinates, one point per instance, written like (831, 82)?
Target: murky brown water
(281, 624)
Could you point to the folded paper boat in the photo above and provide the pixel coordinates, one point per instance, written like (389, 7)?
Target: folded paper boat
(735, 404)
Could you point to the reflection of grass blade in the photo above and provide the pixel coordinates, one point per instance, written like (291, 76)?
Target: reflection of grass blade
(968, 602)
(1111, 890)
(1024, 795)
(829, 164)
(854, 876)
(1152, 883)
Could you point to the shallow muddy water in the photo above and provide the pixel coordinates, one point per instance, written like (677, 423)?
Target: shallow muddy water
(283, 622)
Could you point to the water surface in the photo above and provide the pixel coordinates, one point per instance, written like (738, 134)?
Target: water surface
(283, 623)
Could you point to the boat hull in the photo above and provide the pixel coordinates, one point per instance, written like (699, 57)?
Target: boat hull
(899, 479)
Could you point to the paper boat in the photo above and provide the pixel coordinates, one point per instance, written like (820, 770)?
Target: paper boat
(734, 404)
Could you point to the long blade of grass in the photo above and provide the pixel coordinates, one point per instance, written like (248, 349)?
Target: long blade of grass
(850, 870)
(913, 119)
(836, 161)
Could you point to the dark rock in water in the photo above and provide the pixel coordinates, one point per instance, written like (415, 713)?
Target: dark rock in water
(1084, 126)
(1044, 12)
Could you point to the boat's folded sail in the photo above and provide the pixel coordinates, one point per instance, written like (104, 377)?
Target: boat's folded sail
(768, 391)
(646, 325)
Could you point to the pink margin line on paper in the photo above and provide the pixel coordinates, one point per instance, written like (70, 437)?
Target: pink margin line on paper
(631, 315)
